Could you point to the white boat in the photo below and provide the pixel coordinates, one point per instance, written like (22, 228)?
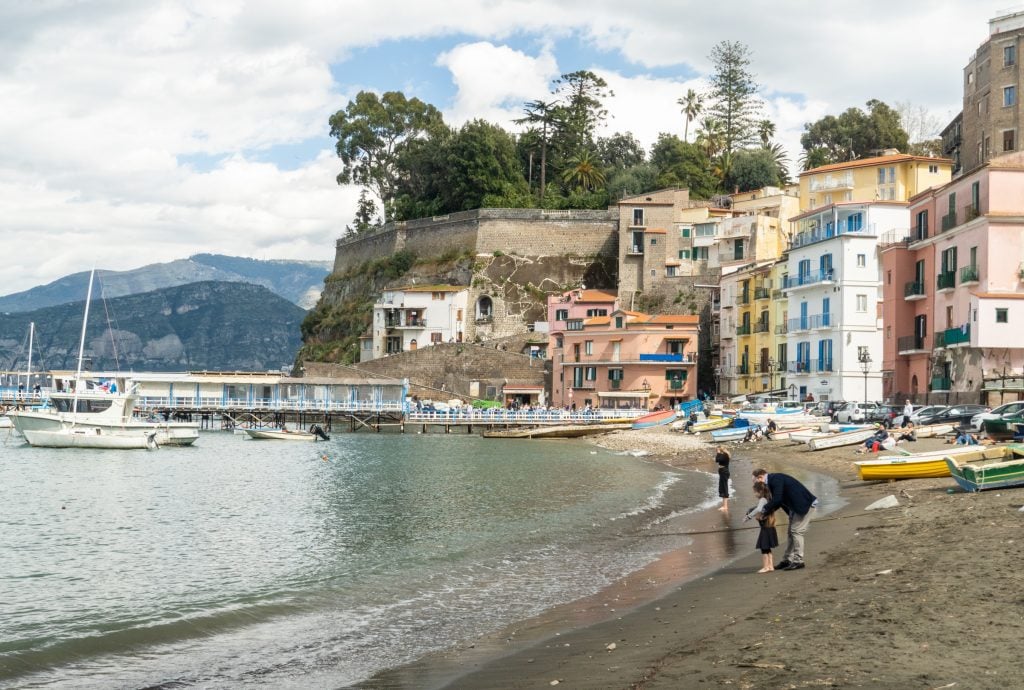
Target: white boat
(807, 436)
(109, 412)
(286, 435)
(934, 430)
(5, 422)
(846, 438)
(787, 434)
(89, 437)
(737, 434)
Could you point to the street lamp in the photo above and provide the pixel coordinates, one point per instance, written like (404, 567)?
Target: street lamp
(647, 394)
(865, 364)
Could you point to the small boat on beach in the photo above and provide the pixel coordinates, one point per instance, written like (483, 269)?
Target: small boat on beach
(563, 431)
(315, 433)
(787, 434)
(843, 438)
(1003, 428)
(797, 436)
(1004, 471)
(737, 434)
(654, 419)
(922, 465)
(933, 430)
(712, 424)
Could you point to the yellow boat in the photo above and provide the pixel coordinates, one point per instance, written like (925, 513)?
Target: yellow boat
(711, 424)
(922, 465)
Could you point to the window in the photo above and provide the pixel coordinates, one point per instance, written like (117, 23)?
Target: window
(588, 347)
(435, 338)
(561, 314)
(577, 377)
(675, 374)
(670, 271)
(654, 241)
(1009, 55)
(591, 373)
(437, 296)
(597, 312)
(574, 325)
(1001, 316)
(654, 273)
(618, 322)
(892, 175)
(862, 261)
(881, 176)
(700, 253)
(922, 225)
(854, 222)
(684, 254)
(684, 231)
(1009, 96)
(615, 374)
(638, 216)
(1009, 143)
(933, 169)
(888, 277)
(737, 252)
(862, 303)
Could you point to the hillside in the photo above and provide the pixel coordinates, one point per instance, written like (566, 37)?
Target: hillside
(206, 325)
(299, 282)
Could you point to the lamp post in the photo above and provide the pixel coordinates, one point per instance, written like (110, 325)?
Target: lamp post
(864, 357)
(647, 394)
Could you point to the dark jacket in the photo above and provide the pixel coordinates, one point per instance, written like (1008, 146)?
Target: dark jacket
(788, 494)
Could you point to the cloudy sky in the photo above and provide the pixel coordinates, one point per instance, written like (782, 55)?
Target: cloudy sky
(135, 132)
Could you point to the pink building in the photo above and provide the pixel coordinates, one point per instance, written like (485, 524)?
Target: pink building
(953, 292)
(575, 305)
(625, 360)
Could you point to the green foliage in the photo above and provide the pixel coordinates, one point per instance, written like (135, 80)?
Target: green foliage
(366, 218)
(693, 105)
(632, 181)
(582, 109)
(753, 169)
(620, 151)
(373, 132)
(853, 134)
(734, 101)
(681, 164)
(583, 173)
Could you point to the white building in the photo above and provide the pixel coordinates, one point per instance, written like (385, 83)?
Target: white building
(417, 316)
(834, 294)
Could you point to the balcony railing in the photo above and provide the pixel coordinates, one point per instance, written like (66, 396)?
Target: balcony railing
(830, 182)
(800, 323)
(949, 221)
(411, 323)
(743, 369)
(970, 213)
(761, 327)
(910, 343)
(777, 294)
(762, 293)
(614, 384)
(941, 383)
(781, 329)
(743, 329)
(821, 320)
(676, 384)
(800, 366)
(945, 280)
(743, 298)
(958, 336)
(913, 291)
(968, 274)
(811, 278)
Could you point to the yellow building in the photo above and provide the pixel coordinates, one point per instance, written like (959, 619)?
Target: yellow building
(891, 177)
(750, 330)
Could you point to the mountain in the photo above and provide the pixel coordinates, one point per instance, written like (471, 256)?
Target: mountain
(210, 325)
(299, 282)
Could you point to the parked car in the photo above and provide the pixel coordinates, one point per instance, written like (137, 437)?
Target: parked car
(961, 415)
(826, 408)
(897, 417)
(1005, 410)
(857, 412)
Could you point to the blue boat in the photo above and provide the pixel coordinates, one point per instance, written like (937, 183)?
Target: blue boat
(654, 419)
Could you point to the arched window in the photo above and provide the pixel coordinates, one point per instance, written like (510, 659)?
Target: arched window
(484, 308)
(913, 385)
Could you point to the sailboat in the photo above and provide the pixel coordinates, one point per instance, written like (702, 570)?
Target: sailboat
(96, 418)
(5, 421)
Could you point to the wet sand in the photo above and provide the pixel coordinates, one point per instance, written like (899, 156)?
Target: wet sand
(926, 595)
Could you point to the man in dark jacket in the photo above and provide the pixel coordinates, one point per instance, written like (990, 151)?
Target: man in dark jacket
(798, 503)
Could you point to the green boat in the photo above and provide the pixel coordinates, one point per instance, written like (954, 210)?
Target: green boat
(1004, 428)
(1001, 472)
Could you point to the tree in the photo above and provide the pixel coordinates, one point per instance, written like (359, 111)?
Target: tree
(753, 169)
(581, 94)
(632, 181)
(682, 164)
(922, 127)
(733, 96)
(766, 130)
(545, 114)
(620, 151)
(372, 133)
(855, 134)
(709, 136)
(780, 159)
(583, 173)
(693, 104)
(366, 215)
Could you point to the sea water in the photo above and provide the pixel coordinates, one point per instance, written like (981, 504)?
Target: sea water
(291, 564)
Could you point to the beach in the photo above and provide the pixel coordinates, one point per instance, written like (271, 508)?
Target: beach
(919, 596)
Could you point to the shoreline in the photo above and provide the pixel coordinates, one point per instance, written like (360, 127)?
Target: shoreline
(876, 606)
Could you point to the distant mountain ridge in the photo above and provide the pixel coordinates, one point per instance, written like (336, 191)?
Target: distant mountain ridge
(299, 282)
(210, 325)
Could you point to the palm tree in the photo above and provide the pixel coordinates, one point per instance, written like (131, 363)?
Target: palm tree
(766, 130)
(583, 172)
(692, 104)
(710, 136)
(780, 159)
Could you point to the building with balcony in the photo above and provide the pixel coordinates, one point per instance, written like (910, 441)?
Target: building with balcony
(748, 356)
(568, 311)
(893, 176)
(833, 293)
(954, 286)
(990, 123)
(416, 316)
(626, 360)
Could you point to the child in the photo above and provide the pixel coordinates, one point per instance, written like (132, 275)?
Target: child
(767, 537)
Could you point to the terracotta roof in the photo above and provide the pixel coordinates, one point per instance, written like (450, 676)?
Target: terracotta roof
(877, 160)
(597, 296)
(678, 319)
(673, 262)
(598, 321)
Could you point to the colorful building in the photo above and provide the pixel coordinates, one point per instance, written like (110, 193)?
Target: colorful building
(893, 176)
(416, 316)
(625, 360)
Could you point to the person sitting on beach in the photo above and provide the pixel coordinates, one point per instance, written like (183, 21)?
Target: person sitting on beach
(908, 434)
(964, 437)
(767, 537)
(793, 497)
(770, 429)
(875, 442)
(690, 422)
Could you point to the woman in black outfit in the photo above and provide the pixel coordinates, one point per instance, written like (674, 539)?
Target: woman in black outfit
(722, 457)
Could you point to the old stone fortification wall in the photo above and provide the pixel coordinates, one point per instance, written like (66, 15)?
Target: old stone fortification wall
(526, 232)
(445, 368)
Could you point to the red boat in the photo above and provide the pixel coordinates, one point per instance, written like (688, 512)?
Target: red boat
(654, 419)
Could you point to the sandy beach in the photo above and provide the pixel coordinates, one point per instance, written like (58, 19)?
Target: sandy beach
(919, 596)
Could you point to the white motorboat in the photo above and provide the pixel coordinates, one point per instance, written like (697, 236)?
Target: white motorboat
(89, 437)
(315, 433)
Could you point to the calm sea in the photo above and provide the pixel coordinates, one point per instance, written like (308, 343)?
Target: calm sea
(286, 564)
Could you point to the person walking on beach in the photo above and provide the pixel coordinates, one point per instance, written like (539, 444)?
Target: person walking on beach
(794, 498)
(722, 457)
(767, 537)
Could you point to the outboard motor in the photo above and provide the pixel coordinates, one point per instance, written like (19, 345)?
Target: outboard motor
(318, 431)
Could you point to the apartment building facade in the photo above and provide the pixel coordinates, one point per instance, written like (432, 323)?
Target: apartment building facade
(893, 176)
(417, 316)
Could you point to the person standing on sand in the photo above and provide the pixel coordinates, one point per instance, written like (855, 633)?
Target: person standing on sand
(767, 537)
(722, 457)
(794, 498)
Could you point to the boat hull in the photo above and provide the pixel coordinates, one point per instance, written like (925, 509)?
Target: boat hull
(88, 438)
(847, 438)
(921, 465)
(712, 424)
(1003, 429)
(729, 434)
(280, 435)
(1004, 472)
(167, 434)
(655, 419)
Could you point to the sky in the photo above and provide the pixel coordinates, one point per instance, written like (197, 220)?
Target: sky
(136, 132)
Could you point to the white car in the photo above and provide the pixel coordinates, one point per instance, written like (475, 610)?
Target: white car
(855, 412)
(995, 413)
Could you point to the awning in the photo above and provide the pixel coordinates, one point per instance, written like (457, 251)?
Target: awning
(623, 394)
(523, 389)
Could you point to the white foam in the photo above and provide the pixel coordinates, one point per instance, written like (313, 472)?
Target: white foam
(655, 499)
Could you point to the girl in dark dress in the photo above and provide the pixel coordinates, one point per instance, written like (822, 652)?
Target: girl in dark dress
(722, 457)
(767, 537)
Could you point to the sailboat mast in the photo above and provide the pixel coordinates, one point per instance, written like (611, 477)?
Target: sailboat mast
(81, 343)
(28, 370)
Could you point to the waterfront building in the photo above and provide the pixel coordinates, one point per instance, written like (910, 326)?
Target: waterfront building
(893, 176)
(575, 306)
(953, 285)
(834, 338)
(408, 318)
(748, 339)
(625, 360)
(990, 123)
